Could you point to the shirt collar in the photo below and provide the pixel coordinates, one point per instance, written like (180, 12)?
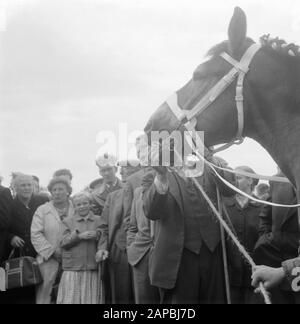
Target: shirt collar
(187, 174)
(22, 204)
(233, 202)
(112, 185)
(90, 218)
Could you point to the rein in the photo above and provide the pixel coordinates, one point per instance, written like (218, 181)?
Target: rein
(255, 176)
(234, 188)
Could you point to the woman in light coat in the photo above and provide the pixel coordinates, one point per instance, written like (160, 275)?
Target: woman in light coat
(46, 234)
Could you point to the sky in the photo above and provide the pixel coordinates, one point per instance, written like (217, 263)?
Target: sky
(70, 69)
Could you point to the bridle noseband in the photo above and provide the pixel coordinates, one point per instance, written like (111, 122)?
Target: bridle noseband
(188, 118)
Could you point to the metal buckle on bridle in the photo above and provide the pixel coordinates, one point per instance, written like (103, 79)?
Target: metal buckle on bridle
(239, 141)
(183, 119)
(240, 97)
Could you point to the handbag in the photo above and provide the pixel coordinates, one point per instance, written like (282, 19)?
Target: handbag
(21, 272)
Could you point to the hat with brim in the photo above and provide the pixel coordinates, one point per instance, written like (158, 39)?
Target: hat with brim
(248, 170)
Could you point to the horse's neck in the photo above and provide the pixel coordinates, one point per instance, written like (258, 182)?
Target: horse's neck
(280, 136)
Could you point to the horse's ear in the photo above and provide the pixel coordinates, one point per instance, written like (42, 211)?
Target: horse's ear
(237, 31)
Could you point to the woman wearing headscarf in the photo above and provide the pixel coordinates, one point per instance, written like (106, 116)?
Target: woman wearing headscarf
(46, 235)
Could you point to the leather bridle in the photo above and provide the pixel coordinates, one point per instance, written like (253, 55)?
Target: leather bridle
(188, 118)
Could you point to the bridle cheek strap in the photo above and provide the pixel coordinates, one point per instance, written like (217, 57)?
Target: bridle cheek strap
(243, 66)
(240, 69)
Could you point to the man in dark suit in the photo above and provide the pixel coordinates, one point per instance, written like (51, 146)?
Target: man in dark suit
(133, 182)
(279, 233)
(140, 237)
(186, 262)
(113, 239)
(5, 214)
(139, 240)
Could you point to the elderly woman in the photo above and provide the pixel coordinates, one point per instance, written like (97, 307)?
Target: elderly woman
(24, 206)
(46, 235)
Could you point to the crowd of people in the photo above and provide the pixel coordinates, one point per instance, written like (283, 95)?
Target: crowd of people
(147, 238)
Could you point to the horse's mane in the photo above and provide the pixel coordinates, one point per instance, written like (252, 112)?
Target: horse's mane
(273, 45)
(280, 46)
(287, 53)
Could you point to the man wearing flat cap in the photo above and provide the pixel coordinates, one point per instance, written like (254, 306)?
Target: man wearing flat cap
(113, 240)
(107, 165)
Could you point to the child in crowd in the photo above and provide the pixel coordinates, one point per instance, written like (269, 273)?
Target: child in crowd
(80, 282)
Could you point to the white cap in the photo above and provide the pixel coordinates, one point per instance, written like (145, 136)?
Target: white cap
(106, 160)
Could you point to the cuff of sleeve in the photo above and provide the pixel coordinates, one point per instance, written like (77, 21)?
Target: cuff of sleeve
(98, 234)
(75, 236)
(288, 267)
(103, 247)
(73, 239)
(47, 254)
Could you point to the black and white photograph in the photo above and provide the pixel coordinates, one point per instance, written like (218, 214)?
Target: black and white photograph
(149, 154)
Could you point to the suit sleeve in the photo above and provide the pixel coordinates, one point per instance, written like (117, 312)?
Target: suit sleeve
(292, 272)
(42, 246)
(133, 228)
(5, 209)
(103, 227)
(155, 205)
(265, 220)
(127, 204)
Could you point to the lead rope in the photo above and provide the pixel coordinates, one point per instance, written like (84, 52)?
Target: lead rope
(240, 247)
(235, 240)
(234, 188)
(224, 251)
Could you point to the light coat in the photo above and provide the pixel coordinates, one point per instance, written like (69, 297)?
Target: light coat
(79, 255)
(46, 234)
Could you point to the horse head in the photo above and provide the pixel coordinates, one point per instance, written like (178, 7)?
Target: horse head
(270, 96)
